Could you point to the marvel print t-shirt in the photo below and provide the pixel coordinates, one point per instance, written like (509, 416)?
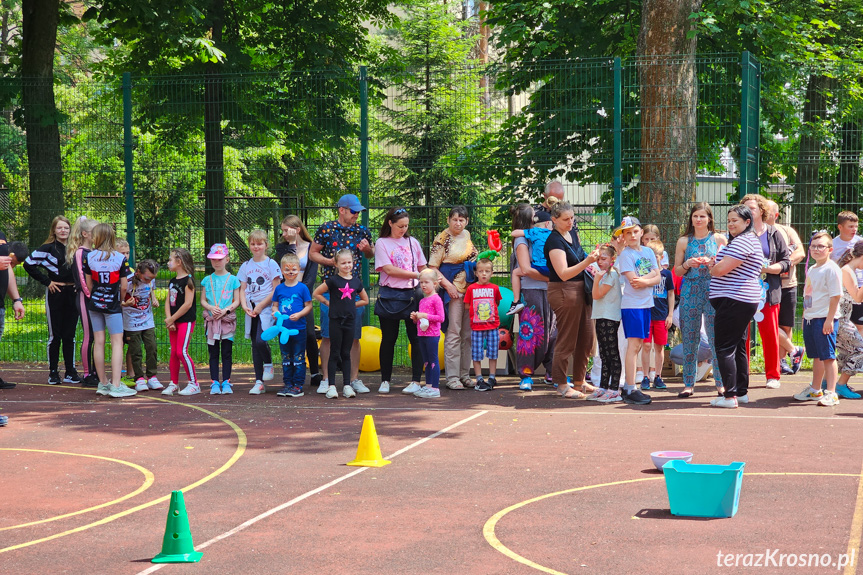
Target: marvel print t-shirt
(292, 299)
(139, 317)
(481, 301)
(342, 294)
(106, 274)
(259, 278)
(641, 261)
(333, 236)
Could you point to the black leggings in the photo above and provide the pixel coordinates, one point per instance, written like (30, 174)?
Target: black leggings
(341, 342)
(226, 347)
(311, 344)
(609, 353)
(62, 314)
(389, 336)
(261, 352)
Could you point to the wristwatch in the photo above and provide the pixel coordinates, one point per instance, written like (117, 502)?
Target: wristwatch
(17, 299)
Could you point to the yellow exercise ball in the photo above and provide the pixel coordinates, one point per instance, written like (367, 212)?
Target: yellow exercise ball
(439, 351)
(370, 349)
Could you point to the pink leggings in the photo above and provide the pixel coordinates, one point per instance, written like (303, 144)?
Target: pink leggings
(180, 340)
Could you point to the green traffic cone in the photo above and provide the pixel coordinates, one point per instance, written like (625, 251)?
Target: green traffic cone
(177, 546)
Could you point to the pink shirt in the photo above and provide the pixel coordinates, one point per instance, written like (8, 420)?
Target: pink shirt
(433, 306)
(404, 253)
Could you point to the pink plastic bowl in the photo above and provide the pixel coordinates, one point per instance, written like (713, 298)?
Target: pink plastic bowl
(659, 458)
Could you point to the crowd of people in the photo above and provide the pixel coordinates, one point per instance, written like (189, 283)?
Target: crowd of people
(616, 303)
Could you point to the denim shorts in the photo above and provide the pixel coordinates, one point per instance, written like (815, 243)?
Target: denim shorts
(818, 345)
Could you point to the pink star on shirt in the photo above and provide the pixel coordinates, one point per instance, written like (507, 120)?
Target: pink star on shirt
(347, 292)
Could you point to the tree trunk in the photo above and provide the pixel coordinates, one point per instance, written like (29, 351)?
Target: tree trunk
(214, 158)
(669, 100)
(848, 180)
(39, 39)
(809, 155)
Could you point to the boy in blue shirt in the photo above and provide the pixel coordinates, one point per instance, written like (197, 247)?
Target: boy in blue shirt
(293, 299)
(661, 316)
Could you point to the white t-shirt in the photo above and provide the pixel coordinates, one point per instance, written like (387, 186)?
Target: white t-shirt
(139, 316)
(259, 278)
(641, 261)
(840, 246)
(822, 282)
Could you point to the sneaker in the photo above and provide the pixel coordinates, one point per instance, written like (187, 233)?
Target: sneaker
(797, 359)
(268, 372)
(7, 384)
(515, 308)
(639, 375)
(492, 381)
(215, 388)
(412, 388)
(597, 394)
(258, 388)
(702, 370)
(295, 391)
(743, 398)
(384, 387)
(359, 386)
(809, 394)
(91, 380)
(455, 384)
(645, 383)
(549, 381)
(154, 383)
(315, 381)
(191, 389)
(141, 384)
(727, 402)
(72, 377)
(283, 392)
(428, 392)
(587, 377)
(482, 385)
(845, 392)
(784, 368)
(332, 392)
(830, 399)
(773, 384)
(348, 391)
(526, 384)
(227, 388)
(121, 391)
(658, 383)
(635, 397)
(324, 387)
(4, 420)
(171, 389)
(53, 378)
(611, 397)
(103, 388)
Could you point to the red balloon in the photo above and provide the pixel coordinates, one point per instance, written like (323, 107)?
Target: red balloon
(505, 338)
(494, 242)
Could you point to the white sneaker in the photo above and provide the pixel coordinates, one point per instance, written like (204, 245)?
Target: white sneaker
(412, 388)
(729, 402)
(258, 388)
(385, 387)
(773, 384)
(324, 386)
(702, 370)
(349, 391)
(359, 386)
(428, 392)
(332, 392)
(268, 372)
(829, 399)
(191, 389)
(154, 383)
(743, 398)
(121, 390)
(103, 388)
(141, 384)
(171, 389)
(639, 375)
(809, 394)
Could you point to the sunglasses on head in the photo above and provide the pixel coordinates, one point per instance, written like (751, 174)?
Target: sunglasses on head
(816, 232)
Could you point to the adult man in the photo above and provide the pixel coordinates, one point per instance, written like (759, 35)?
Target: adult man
(8, 285)
(553, 188)
(788, 304)
(343, 232)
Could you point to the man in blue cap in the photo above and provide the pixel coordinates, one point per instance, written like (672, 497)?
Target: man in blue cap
(343, 232)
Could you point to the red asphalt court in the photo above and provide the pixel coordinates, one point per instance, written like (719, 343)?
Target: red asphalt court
(499, 482)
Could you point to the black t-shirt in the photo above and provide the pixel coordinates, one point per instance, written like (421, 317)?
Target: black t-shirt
(573, 251)
(4, 274)
(343, 294)
(177, 297)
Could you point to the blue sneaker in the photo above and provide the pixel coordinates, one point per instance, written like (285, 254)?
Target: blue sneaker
(846, 392)
(526, 384)
(226, 387)
(215, 388)
(3, 420)
(658, 383)
(645, 383)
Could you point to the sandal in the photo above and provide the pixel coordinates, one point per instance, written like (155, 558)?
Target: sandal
(454, 385)
(587, 388)
(686, 392)
(570, 393)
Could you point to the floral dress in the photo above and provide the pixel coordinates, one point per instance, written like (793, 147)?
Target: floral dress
(849, 342)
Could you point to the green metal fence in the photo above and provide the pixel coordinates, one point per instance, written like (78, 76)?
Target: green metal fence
(184, 161)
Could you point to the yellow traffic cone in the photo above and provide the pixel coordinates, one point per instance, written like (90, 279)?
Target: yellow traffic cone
(369, 450)
(177, 546)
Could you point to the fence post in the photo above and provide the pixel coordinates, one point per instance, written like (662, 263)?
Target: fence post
(618, 142)
(750, 108)
(364, 169)
(127, 165)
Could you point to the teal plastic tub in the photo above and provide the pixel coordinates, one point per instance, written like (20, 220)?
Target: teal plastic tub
(696, 490)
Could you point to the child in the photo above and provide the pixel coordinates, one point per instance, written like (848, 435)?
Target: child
(661, 316)
(638, 265)
(481, 299)
(180, 315)
(343, 289)
(606, 313)
(77, 248)
(821, 296)
(537, 237)
(138, 324)
(847, 223)
(124, 248)
(650, 233)
(106, 277)
(429, 318)
(258, 278)
(293, 299)
(220, 296)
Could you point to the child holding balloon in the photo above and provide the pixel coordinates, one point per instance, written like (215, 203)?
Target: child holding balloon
(292, 299)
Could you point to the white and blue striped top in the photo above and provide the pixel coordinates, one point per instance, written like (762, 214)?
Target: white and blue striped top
(743, 282)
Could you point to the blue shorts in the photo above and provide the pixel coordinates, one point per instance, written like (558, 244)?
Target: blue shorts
(325, 321)
(487, 340)
(636, 322)
(818, 345)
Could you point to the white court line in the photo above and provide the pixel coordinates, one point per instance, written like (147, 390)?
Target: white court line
(308, 494)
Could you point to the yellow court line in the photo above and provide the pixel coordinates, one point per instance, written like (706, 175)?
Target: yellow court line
(241, 448)
(856, 527)
(488, 529)
(148, 481)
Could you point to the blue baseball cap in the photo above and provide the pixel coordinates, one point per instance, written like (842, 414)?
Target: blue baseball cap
(352, 202)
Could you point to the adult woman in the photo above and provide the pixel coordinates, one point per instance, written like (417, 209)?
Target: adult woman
(536, 324)
(694, 250)
(399, 260)
(735, 292)
(778, 256)
(449, 251)
(849, 342)
(296, 240)
(47, 265)
(566, 295)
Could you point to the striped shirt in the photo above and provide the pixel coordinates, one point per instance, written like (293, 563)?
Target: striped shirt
(743, 283)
